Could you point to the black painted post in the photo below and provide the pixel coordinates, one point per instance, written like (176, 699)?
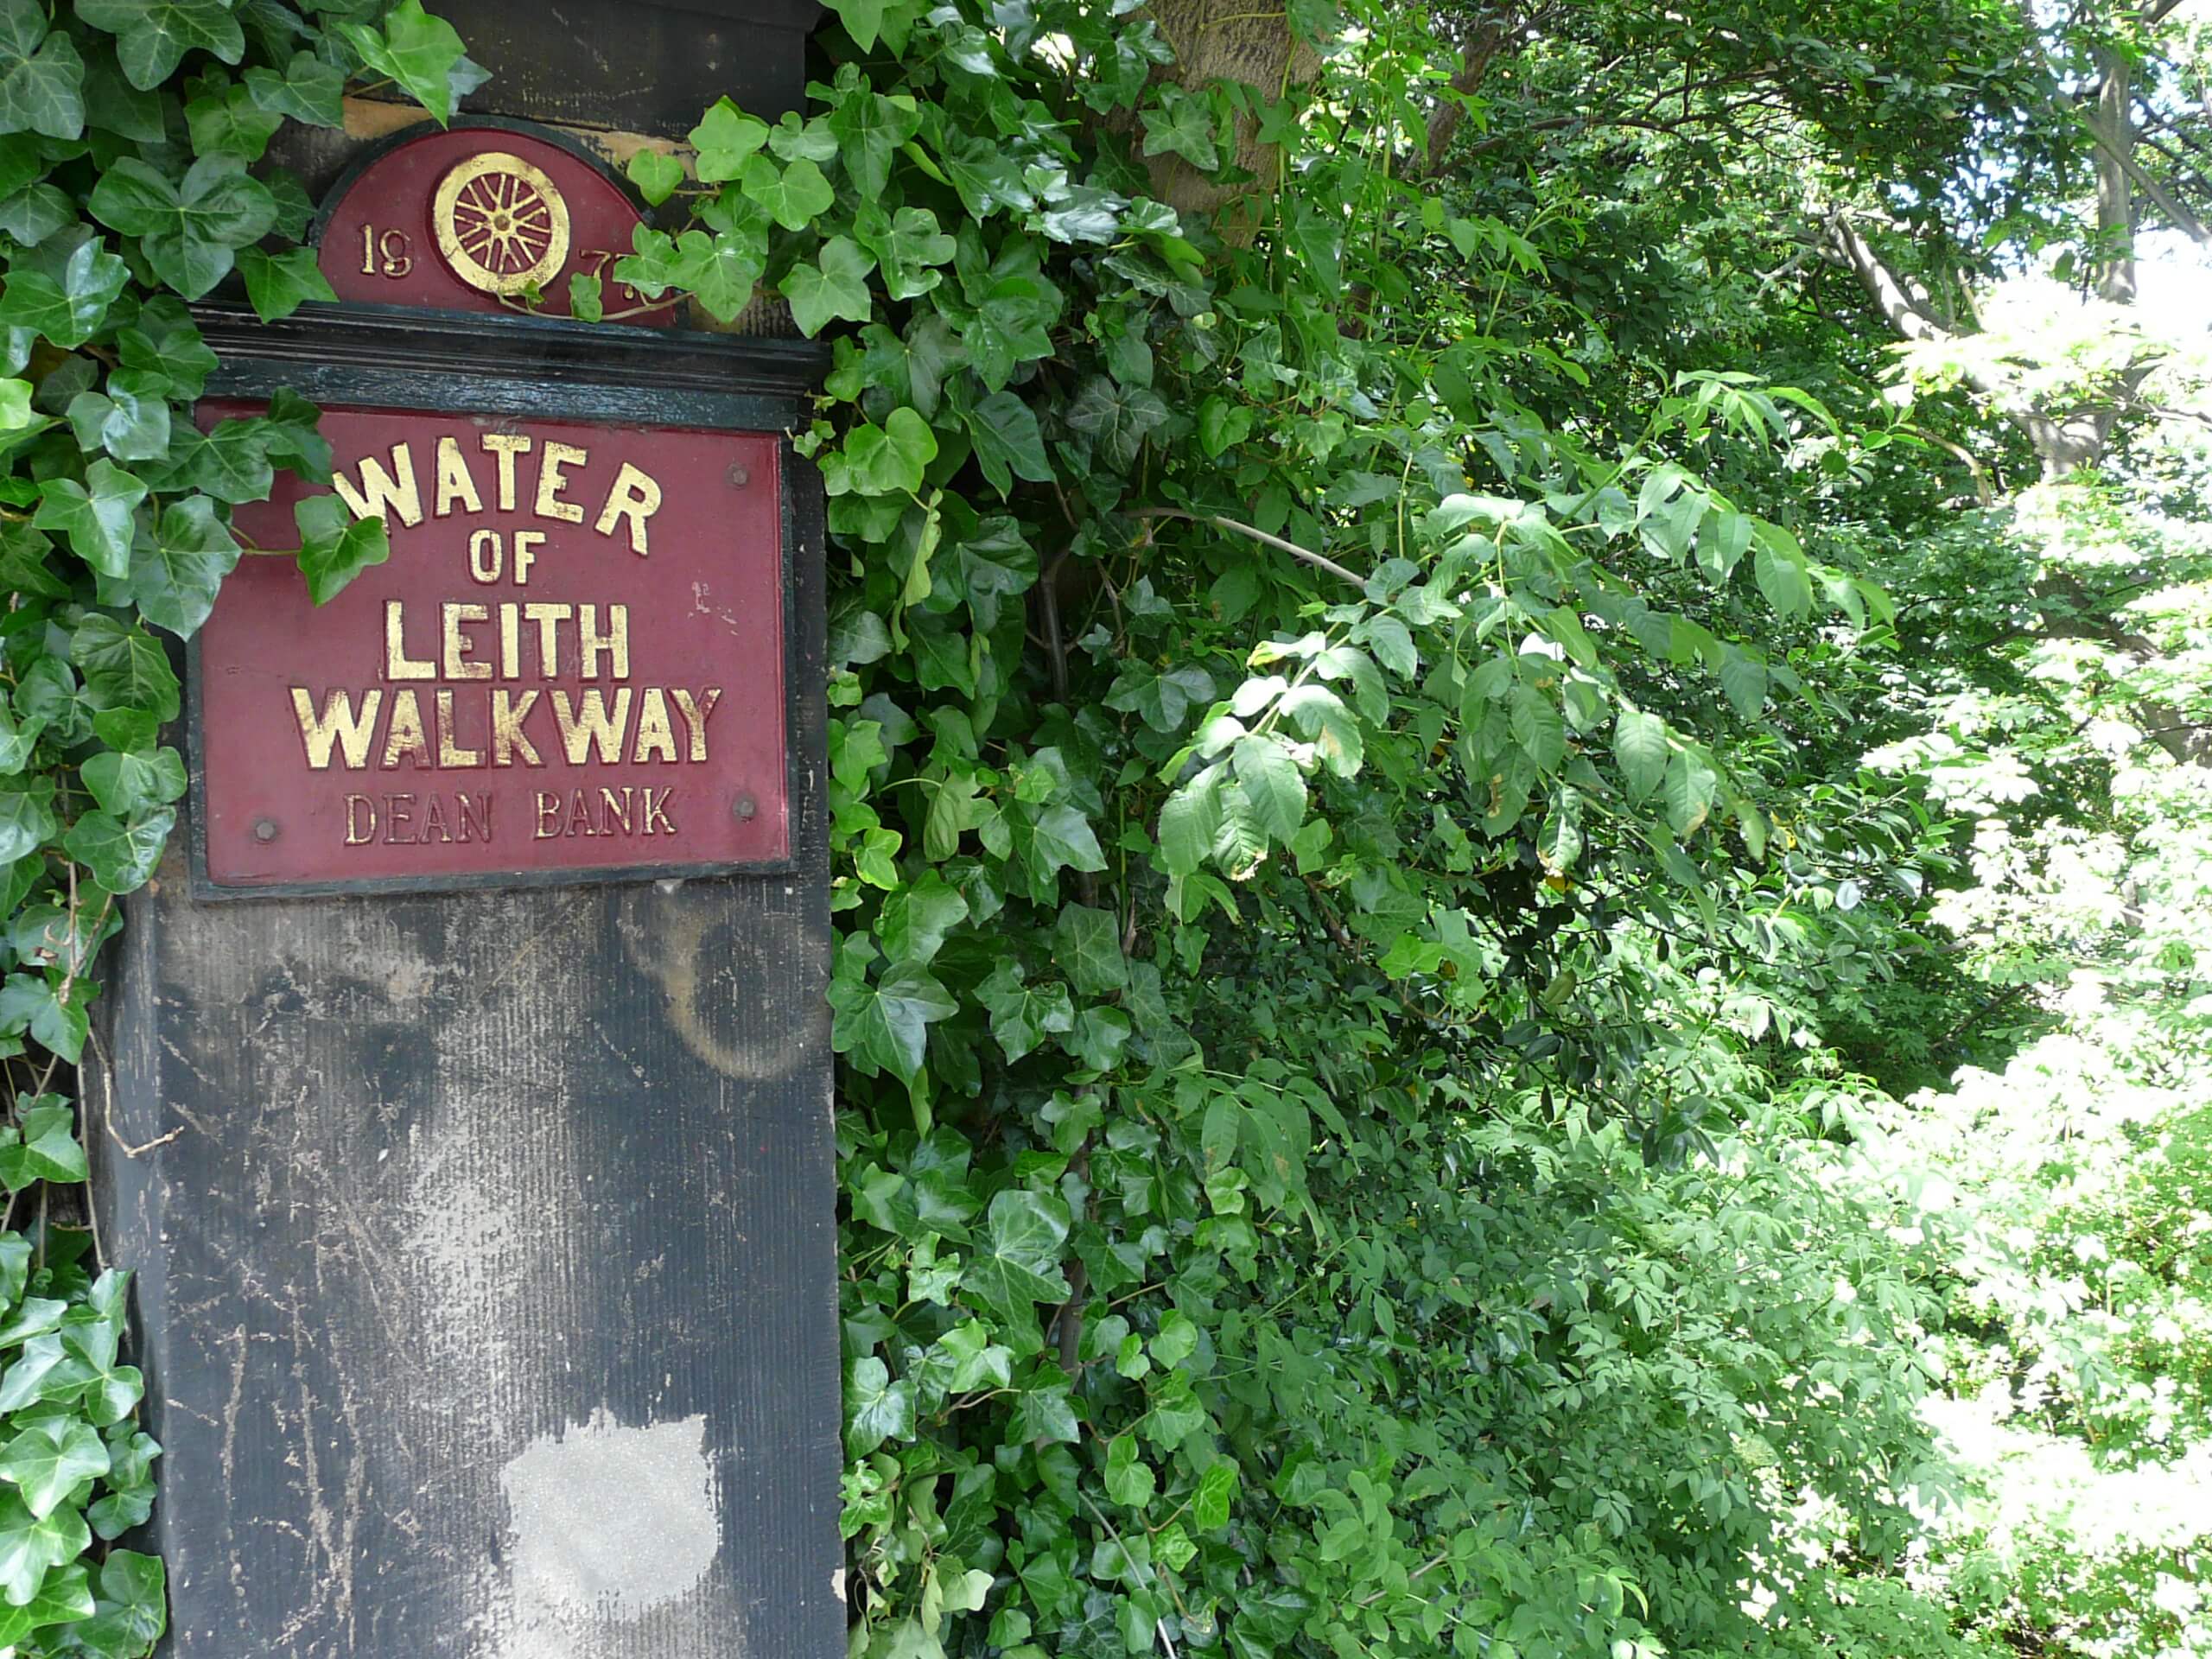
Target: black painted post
(485, 1235)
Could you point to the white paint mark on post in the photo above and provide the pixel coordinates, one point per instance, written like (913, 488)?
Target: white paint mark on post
(608, 1523)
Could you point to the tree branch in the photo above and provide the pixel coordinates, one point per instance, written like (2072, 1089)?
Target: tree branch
(1261, 536)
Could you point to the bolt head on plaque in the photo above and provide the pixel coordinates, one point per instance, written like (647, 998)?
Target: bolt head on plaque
(502, 224)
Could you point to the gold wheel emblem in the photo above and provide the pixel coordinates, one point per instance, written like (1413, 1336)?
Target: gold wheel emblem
(501, 224)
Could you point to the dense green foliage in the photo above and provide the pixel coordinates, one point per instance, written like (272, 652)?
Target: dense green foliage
(1440, 752)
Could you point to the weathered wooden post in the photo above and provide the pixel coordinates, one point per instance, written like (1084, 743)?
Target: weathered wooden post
(470, 1119)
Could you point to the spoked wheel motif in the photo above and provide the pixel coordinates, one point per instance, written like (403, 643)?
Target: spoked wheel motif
(501, 224)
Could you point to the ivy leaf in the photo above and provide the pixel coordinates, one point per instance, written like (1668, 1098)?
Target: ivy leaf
(658, 177)
(422, 54)
(123, 783)
(188, 230)
(121, 853)
(1008, 444)
(42, 76)
(230, 122)
(68, 308)
(862, 19)
(795, 195)
(916, 920)
(334, 546)
(1183, 125)
(174, 580)
(47, 1460)
(869, 128)
(1116, 417)
(1086, 944)
(132, 1601)
(1022, 1016)
(96, 515)
(884, 1025)
(129, 420)
(34, 1542)
(877, 1409)
(309, 90)
(1640, 749)
(279, 283)
(124, 667)
(892, 458)
(113, 104)
(835, 286)
(232, 462)
(152, 37)
(47, 1152)
(33, 215)
(63, 1598)
(1019, 1265)
(718, 270)
(166, 341)
(725, 138)
(906, 246)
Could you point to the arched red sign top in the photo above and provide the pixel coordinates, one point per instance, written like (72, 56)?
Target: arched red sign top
(474, 219)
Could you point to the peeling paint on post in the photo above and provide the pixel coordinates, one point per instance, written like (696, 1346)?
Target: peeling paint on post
(483, 1206)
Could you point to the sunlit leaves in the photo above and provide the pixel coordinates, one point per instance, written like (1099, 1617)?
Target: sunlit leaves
(420, 52)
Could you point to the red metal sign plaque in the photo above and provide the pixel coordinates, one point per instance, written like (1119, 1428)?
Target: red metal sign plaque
(480, 219)
(572, 662)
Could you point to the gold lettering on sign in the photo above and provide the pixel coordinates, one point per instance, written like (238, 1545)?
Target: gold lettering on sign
(512, 681)
(338, 724)
(551, 483)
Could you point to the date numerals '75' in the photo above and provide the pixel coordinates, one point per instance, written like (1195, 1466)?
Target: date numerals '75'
(386, 253)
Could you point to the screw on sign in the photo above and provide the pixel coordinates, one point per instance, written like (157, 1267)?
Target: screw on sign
(501, 223)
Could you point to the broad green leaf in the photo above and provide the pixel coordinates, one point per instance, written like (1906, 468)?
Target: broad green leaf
(279, 283)
(334, 546)
(29, 1544)
(422, 54)
(125, 667)
(42, 76)
(1274, 786)
(1689, 788)
(725, 138)
(883, 1025)
(122, 853)
(47, 1461)
(174, 576)
(658, 177)
(1087, 947)
(834, 286)
(795, 195)
(152, 37)
(1018, 1265)
(1022, 1016)
(1008, 444)
(96, 515)
(1640, 748)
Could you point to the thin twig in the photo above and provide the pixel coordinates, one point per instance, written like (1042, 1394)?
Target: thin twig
(1261, 536)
